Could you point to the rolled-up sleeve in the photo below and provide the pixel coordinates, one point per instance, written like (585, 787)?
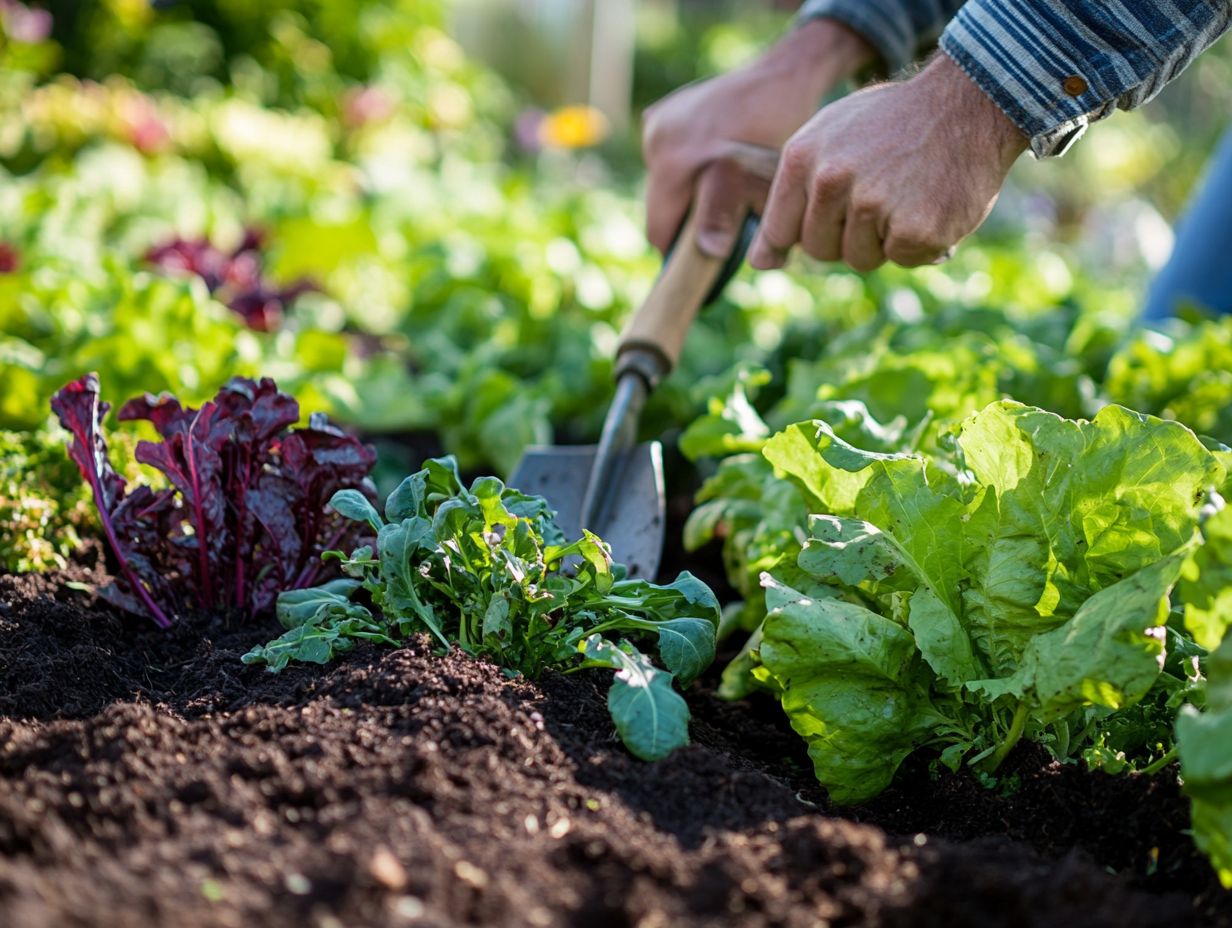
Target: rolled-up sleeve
(1054, 67)
(896, 29)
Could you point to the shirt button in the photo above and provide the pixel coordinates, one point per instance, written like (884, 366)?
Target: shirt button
(1074, 85)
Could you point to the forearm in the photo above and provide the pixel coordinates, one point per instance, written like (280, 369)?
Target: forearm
(1053, 66)
(817, 55)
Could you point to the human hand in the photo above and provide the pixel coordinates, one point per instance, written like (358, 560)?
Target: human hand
(761, 104)
(900, 172)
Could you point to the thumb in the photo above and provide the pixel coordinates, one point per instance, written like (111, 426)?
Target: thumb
(721, 204)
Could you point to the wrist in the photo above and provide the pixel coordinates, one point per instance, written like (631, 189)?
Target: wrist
(820, 53)
(968, 107)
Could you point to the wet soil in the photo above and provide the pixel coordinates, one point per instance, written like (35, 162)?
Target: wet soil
(150, 779)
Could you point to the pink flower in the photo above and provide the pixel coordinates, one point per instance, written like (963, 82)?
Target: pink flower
(23, 24)
(363, 105)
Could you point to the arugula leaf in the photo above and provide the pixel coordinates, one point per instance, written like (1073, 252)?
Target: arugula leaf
(355, 506)
(300, 607)
(686, 645)
(651, 718)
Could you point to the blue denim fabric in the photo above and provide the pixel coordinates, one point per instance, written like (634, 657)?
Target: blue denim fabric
(1200, 268)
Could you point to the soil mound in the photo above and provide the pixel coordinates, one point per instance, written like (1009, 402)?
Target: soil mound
(149, 778)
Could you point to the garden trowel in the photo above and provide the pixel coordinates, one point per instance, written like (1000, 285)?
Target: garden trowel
(615, 488)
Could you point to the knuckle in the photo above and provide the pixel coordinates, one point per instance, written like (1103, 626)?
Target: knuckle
(796, 158)
(653, 133)
(822, 247)
(913, 243)
(864, 209)
(723, 173)
(829, 182)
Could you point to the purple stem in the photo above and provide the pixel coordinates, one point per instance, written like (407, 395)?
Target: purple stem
(241, 506)
(205, 581)
(156, 613)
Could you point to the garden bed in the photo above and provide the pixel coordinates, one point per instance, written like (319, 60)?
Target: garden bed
(150, 778)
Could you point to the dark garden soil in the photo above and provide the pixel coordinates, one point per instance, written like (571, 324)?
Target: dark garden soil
(150, 779)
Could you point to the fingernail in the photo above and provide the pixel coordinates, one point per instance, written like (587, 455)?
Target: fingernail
(717, 243)
(763, 257)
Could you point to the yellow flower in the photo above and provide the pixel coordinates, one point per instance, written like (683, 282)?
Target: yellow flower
(573, 127)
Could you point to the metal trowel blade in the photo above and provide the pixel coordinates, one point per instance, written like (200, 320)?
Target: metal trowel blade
(633, 524)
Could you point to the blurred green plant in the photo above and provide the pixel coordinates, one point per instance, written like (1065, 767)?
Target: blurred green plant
(45, 509)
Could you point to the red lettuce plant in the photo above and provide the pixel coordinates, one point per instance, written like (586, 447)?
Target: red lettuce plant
(10, 258)
(245, 516)
(235, 277)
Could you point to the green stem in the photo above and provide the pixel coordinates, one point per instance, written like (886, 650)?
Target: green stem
(1017, 725)
(1159, 764)
(621, 621)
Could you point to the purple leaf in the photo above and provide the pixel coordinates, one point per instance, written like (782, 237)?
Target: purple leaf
(78, 407)
(245, 514)
(236, 278)
(190, 456)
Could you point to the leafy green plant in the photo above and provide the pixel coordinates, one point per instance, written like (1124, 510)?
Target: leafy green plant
(1023, 595)
(1204, 726)
(487, 569)
(234, 276)
(44, 507)
(1183, 373)
(1204, 740)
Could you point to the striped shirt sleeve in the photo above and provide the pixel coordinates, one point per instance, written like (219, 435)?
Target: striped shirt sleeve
(1053, 66)
(896, 29)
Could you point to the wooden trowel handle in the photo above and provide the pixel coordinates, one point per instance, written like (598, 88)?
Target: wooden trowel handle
(690, 278)
(661, 323)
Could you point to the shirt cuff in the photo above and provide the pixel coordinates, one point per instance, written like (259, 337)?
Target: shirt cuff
(1042, 90)
(1053, 68)
(884, 25)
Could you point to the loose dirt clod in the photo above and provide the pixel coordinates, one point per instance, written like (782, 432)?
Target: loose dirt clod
(149, 778)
